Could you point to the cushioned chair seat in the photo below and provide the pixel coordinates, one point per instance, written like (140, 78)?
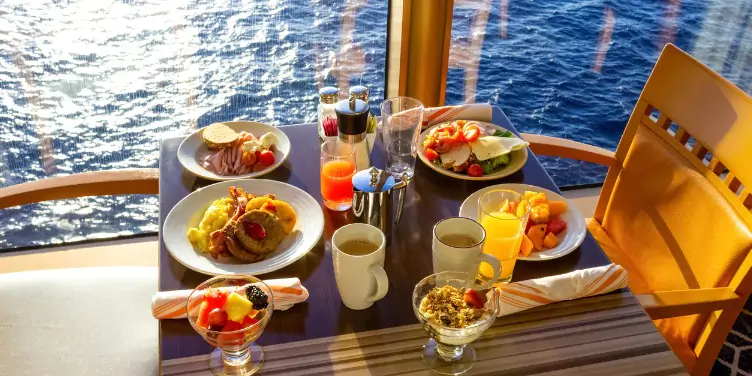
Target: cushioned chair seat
(91, 321)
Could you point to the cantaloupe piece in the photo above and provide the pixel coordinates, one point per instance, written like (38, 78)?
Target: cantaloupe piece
(557, 207)
(526, 247)
(536, 235)
(550, 241)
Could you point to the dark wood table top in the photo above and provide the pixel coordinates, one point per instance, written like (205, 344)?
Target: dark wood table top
(430, 197)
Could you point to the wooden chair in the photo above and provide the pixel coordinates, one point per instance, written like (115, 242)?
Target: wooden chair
(98, 183)
(675, 207)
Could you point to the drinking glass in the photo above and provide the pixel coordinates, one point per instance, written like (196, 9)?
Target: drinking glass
(447, 352)
(504, 230)
(337, 170)
(236, 354)
(401, 120)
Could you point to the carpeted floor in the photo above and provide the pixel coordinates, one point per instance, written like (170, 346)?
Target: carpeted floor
(735, 358)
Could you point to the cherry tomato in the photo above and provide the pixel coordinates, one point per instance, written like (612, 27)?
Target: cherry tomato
(471, 133)
(475, 170)
(266, 157)
(431, 154)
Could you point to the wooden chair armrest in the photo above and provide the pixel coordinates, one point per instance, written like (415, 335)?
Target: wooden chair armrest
(665, 304)
(97, 183)
(559, 147)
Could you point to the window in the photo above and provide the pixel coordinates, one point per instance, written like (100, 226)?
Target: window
(88, 86)
(574, 69)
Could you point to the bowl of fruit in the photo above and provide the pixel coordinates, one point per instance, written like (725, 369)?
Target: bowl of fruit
(555, 227)
(232, 313)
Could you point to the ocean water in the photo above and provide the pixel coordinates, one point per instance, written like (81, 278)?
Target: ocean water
(88, 85)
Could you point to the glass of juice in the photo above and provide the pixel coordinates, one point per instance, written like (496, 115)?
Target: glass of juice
(503, 214)
(337, 170)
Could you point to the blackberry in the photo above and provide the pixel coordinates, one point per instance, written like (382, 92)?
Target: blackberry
(257, 297)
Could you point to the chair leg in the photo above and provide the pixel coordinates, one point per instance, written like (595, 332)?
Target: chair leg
(718, 327)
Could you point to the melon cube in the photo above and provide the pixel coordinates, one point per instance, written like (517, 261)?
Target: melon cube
(237, 307)
(550, 240)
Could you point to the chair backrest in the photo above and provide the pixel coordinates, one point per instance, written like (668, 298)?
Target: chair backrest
(678, 200)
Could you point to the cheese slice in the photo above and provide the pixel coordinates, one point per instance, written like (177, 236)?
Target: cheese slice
(456, 156)
(488, 147)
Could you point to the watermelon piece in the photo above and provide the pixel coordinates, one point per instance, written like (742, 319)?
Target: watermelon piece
(215, 298)
(556, 225)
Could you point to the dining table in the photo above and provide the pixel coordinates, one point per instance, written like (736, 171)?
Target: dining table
(606, 334)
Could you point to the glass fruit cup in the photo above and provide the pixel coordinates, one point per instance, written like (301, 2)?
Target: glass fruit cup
(236, 354)
(447, 352)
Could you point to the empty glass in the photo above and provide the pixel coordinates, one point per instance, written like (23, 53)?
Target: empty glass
(401, 120)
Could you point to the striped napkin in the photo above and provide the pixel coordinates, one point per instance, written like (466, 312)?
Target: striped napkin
(520, 296)
(475, 111)
(171, 304)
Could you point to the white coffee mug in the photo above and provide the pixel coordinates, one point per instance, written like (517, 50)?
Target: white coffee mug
(465, 257)
(361, 280)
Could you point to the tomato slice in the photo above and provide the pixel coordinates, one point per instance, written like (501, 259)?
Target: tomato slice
(472, 132)
(431, 154)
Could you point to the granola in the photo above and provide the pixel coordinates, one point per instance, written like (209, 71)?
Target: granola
(446, 306)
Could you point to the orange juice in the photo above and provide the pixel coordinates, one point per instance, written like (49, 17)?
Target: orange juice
(503, 238)
(336, 183)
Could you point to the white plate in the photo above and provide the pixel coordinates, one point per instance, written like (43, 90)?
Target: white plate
(189, 211)
(516, 161)
(569, 239)
(193, 147)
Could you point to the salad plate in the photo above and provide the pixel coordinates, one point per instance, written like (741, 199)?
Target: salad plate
(496, 151)
(193, 150)
(569, 239)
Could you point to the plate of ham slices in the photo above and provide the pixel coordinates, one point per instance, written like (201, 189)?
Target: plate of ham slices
(234, 150)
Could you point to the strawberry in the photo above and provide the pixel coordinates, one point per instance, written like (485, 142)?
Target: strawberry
(472, 298)
(254, 230)
(556, 225)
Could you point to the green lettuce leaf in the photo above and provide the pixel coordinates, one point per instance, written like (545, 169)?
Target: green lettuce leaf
(493, 164)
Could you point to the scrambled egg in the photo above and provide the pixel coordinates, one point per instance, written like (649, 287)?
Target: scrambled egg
(215, 217)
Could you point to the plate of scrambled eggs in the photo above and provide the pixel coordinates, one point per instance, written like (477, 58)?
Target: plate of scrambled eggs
(243, 227)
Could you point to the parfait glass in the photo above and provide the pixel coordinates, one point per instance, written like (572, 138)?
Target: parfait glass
(448, 351)
(236, 352)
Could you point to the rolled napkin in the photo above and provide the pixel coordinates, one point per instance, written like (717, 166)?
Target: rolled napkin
(474, 111)
(519, 296)
(171, 304)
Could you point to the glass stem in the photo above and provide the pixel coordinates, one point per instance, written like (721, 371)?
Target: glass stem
(449, 353)
(236, 358)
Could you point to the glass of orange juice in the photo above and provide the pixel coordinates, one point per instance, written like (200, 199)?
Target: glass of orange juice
(337, 170)
(503, 214)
